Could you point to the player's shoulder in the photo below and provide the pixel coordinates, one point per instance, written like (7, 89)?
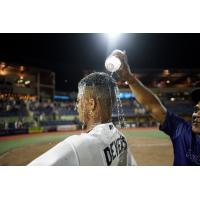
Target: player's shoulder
(79, 139)
(105, 133)
(172, 118)
(101, 129)
(100, 133)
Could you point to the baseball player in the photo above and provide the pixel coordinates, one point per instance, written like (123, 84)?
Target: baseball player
(185, 136)
(102, 143)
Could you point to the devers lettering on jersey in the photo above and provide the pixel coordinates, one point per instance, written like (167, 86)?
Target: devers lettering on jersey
(116, 148)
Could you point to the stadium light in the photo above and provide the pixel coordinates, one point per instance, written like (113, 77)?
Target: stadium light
(2, 72)
(113, 37)
(2, 65)
(27, 82)
(113, 41)
(21, 68)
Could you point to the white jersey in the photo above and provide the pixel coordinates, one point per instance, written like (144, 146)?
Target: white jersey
(103, 145)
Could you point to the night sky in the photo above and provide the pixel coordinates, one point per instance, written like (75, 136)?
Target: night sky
(69, 54)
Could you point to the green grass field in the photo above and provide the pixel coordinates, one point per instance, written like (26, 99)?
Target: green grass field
(16, 142)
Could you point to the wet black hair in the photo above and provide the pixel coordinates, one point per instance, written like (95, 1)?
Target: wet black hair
(195, 95)
(102, 86)
(97, 79)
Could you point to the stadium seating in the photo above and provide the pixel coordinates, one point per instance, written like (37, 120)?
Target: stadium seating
(49, 114)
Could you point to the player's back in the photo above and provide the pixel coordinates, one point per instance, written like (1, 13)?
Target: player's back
(103, 145)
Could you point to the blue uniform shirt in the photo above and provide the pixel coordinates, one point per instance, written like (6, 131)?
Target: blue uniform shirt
(186, 144)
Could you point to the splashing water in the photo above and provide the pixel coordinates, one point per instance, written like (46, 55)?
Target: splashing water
(121, 118)
(97, 82)
(81, 91)
(120, 111)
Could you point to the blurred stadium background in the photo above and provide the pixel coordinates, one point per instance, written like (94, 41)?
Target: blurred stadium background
(35, 114)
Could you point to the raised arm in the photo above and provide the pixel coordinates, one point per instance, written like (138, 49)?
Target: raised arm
(143, 95)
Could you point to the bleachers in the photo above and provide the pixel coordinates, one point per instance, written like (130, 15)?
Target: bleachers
(56, 123)
(29, 113)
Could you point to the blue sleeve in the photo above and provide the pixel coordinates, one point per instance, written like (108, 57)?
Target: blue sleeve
(173, 125)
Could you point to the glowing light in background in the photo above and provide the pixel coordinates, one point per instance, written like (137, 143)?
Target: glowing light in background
(3, 68)
(3, 72)
(113, 37)
(27, 82)
(2, 65)
(21, 68)
(113, 41)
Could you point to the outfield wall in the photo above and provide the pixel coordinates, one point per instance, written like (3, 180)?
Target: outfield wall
(31, 130)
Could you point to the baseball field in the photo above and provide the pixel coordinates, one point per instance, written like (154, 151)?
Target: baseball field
(148, 145)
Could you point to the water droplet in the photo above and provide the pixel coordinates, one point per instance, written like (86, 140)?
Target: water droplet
(120, 111)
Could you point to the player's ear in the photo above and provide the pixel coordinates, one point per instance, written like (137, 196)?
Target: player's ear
(92, 103)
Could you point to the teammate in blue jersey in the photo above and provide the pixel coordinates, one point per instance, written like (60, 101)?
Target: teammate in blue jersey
(185, 136)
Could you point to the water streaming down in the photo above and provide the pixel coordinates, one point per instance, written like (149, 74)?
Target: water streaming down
(120, 111)
(121, 116)
(81, 91)
(93, 82)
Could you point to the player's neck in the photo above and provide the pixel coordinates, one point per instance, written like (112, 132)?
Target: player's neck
(91, 126)
(92, 123)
